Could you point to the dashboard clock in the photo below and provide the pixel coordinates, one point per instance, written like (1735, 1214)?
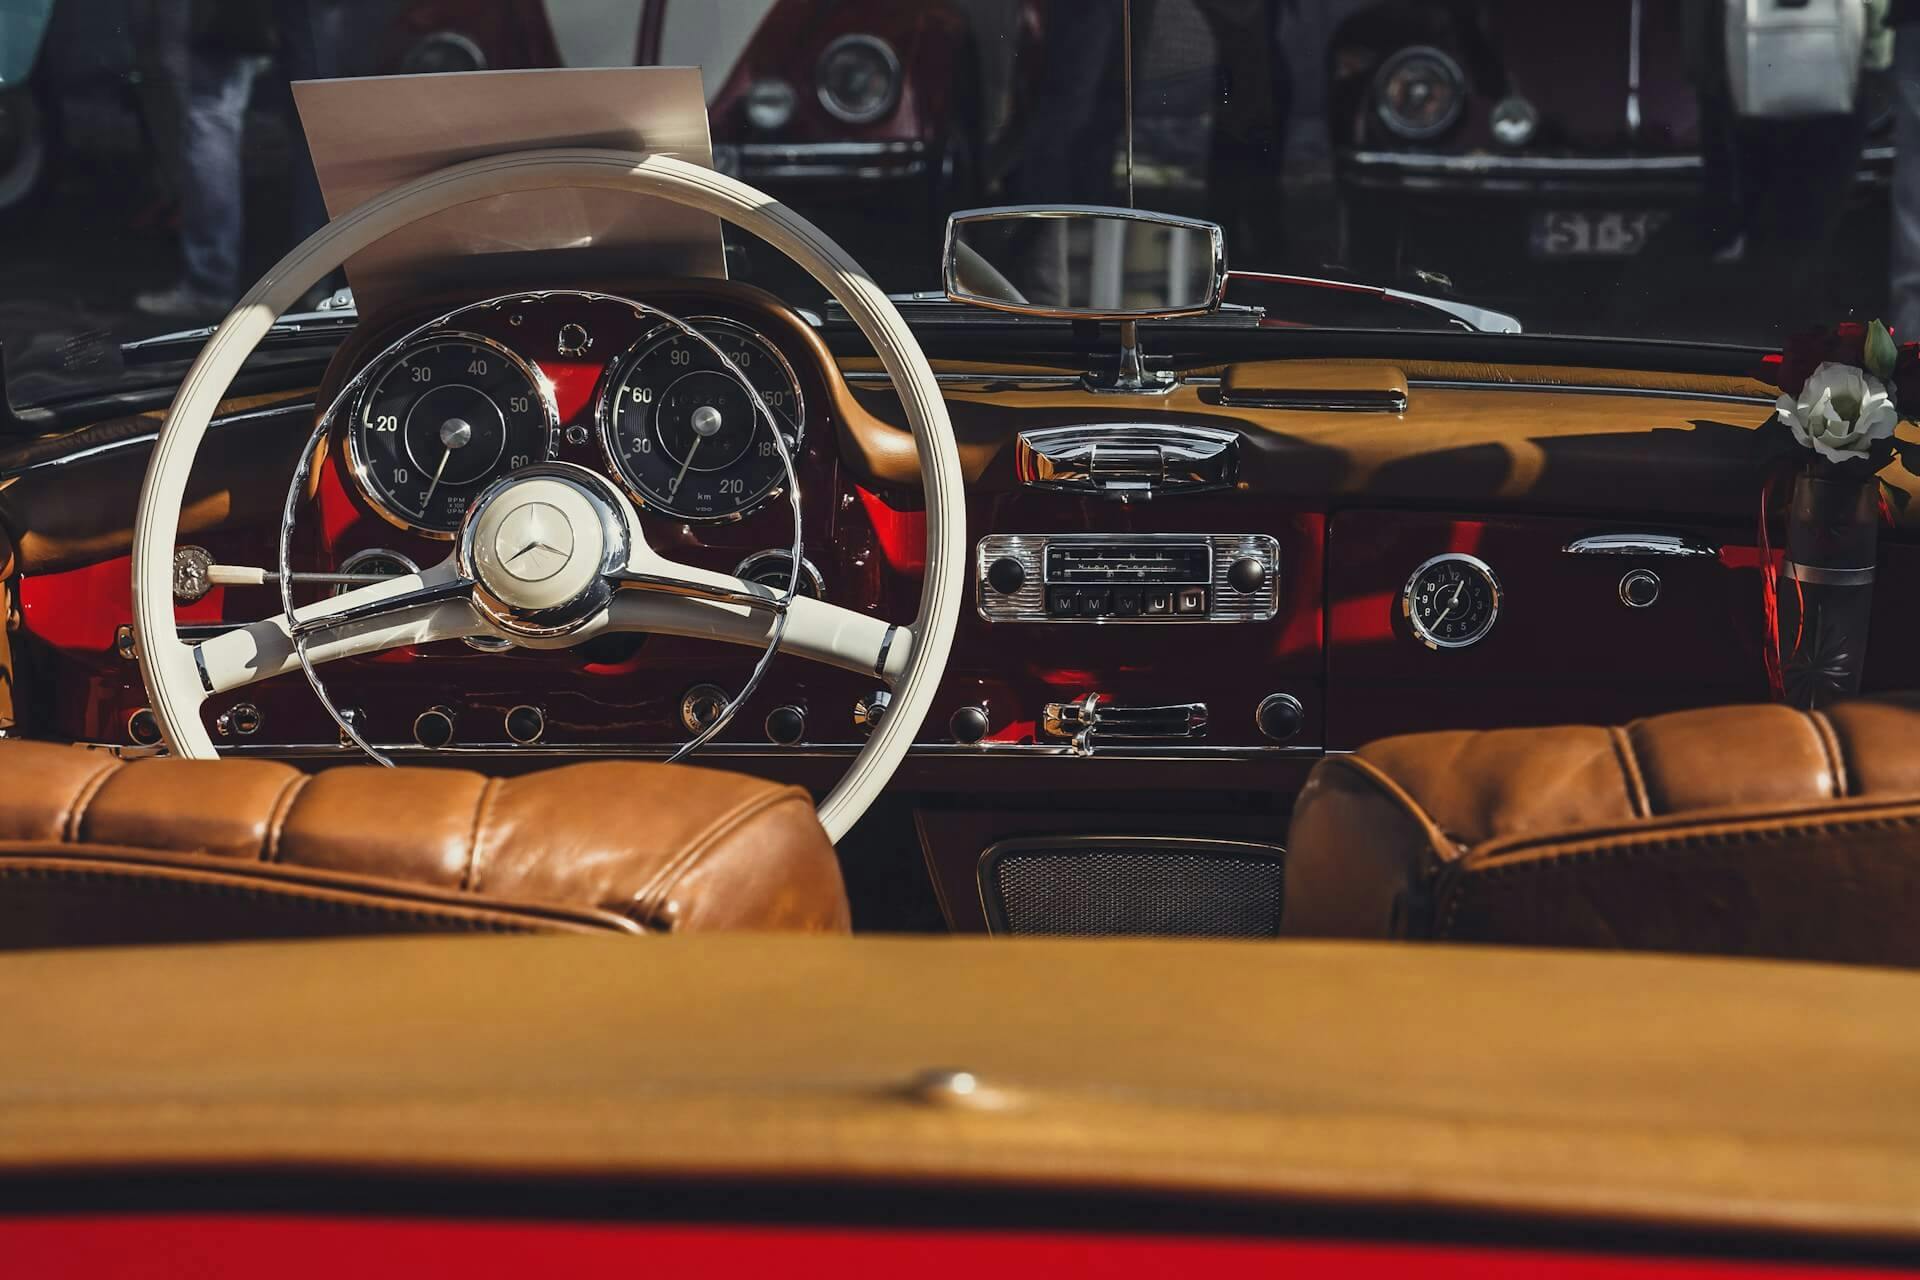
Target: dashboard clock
(1451, 601)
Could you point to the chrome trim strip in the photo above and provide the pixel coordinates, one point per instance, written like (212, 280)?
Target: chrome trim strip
(1585, 389)
(200, 665)
(1482, 165)
(147, 438)
(1318, 401)
(886, 647)
(1640, 544)
(1826, 577)
(749, 751)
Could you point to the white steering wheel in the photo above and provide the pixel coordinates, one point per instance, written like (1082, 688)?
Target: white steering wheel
(611, 579)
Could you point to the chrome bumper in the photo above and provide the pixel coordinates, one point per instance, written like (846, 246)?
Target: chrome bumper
(1492, 172)
(821, 161)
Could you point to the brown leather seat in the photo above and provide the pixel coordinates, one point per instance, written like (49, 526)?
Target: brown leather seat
(95, 851)
(1747, 830)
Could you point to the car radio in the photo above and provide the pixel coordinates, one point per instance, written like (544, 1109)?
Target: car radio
(1167, 577)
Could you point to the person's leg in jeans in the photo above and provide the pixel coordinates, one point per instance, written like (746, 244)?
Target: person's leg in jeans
(1904, 257)
(212, 196)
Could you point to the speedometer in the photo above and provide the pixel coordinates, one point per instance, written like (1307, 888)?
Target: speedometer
(440, 420)
(685, 435)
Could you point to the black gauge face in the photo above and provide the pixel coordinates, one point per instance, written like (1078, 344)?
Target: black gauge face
(1451, 601)
(684, 433)
(446, 417)
(774, 569)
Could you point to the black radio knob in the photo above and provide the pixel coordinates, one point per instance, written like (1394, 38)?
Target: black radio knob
(969, 724)
(1006, 575)
(786, 725)
(1280, 716)
(1247, 575)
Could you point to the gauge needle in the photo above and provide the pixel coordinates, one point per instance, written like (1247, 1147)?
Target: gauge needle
(691, 450)
(1452, 600)
(454, 434)
(434, 483)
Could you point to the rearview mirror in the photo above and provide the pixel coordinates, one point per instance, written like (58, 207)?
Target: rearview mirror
(1084, 261)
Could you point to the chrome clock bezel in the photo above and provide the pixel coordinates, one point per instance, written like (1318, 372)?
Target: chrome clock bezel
(603, 414)
(1419, 628)
(356, 391)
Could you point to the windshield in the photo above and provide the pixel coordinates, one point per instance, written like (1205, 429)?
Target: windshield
(1616, 168)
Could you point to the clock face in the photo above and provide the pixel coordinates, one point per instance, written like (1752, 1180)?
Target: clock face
(1451, 601)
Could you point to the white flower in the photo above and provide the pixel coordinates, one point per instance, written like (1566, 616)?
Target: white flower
(1841, 411)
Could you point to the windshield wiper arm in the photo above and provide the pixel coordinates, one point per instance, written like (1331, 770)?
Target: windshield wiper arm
(299, 327)
(1465, 314)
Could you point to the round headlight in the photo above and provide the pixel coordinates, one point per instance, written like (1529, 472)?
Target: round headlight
(1514, 121)
(443, 51)
(859, 78)
(1419, 93)
(769, 103)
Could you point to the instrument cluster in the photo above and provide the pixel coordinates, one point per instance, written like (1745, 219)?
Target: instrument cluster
(683, 411)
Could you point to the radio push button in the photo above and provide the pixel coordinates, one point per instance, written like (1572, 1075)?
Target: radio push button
(1095, 602)
(1191, 600)
(1126, 602)
(1063, 602)
(1156, 601)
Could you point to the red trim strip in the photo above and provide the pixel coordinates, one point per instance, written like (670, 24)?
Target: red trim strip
(212, 1247)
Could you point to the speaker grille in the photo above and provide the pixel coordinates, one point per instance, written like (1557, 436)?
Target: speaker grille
(1130, 886)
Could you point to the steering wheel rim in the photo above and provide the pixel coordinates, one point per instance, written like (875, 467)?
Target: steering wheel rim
(171, 670)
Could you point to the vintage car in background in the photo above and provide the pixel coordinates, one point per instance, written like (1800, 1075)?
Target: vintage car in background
(801, 94)
(1561, 134)
(917, 99)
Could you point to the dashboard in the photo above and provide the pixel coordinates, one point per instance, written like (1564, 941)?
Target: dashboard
(1178, 602)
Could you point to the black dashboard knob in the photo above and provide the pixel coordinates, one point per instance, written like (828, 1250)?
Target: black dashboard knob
(143, 728)
(433, 728)
(1280, 716)
(1006, 575)
(969, 724)
(526, 725)
(1247, 575)
(786, 725)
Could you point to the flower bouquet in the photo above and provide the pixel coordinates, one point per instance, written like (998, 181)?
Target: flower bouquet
(1842, 393)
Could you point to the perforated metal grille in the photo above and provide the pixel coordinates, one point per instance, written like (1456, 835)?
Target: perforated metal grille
(1146, 889)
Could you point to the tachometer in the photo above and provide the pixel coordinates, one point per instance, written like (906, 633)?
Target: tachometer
(685, 435)
(444, 417)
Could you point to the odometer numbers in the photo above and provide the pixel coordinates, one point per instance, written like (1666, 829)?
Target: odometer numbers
(684, 433)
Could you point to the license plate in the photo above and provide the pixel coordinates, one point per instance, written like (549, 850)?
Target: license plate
(1592, 233)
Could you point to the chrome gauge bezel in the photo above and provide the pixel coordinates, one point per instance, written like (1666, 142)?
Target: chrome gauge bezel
(616, 374)
(432, 333)
(1420, 631)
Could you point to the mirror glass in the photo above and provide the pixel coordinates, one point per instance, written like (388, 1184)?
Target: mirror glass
(1091, 262)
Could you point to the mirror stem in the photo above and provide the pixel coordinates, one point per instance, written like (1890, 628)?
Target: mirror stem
(1126, 52)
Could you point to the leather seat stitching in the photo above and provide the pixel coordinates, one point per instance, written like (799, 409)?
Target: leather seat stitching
(1639, 799)
(1631, 847)
(76, 812)
(470, 878)
(1446, 845)
(282, 810)
(1830, 743)
(648, 899)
